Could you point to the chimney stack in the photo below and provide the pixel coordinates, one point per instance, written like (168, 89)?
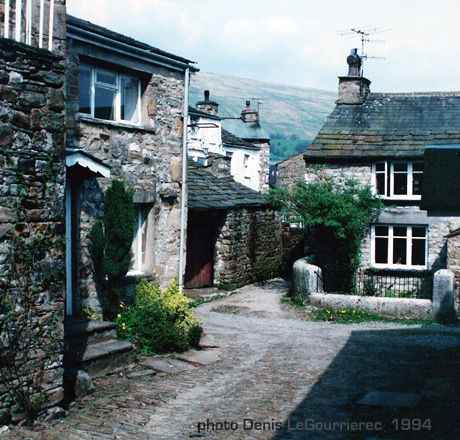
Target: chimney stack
(207, 105)
(249, 114)
(353, 88)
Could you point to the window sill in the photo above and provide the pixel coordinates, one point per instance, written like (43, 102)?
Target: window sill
(114, 124)
(397, 268)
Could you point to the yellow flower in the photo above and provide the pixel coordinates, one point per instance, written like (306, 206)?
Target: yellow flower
(327, 311)
(118, 316)
(121, 305)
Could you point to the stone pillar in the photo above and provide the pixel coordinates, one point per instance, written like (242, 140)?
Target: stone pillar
(306, 279)
(443, 308)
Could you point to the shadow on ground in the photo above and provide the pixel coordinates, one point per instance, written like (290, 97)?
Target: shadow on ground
(421, 361)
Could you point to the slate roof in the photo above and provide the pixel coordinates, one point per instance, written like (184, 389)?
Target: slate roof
(388, 126)
(230, 140)
(206, 191)
(249, 131)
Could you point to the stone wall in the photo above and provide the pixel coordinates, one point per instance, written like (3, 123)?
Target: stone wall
(290, 170)
(32, 210)
(293, 246)
(146, 157)
(248, 247)
(264, 166)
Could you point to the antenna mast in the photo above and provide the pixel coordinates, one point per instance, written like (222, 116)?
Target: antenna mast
(363, 32)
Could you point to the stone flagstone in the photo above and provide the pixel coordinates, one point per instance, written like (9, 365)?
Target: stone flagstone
(206, 357)
(165, 365)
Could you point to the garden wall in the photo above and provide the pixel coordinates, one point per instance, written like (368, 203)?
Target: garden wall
(248, 248)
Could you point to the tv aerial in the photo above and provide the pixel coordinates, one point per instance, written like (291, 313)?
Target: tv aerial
(363, 32)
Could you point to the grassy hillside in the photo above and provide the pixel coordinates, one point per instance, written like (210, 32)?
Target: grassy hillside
(288, 113)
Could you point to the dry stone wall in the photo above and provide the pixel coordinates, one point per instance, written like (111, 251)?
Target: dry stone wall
(249, 247)
(32, 212)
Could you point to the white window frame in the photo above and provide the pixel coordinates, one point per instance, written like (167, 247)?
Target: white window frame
(116, 88)
(409, 239)
(389, 185)
(138, 259)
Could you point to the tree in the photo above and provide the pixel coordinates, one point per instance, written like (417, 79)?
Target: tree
(336, 216)
(111, 241)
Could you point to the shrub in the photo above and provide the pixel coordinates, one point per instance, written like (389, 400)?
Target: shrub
(110, 243)
(157, 322)
(336, 215)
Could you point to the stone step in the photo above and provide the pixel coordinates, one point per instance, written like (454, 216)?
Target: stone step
(101, 358)
(88, 332)
(93, 346)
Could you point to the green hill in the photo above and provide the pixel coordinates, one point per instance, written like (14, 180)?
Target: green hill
(286, 112)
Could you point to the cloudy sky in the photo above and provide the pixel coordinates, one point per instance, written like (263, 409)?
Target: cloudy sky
(296, 41)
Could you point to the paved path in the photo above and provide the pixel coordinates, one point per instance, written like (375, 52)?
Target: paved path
(277, 375)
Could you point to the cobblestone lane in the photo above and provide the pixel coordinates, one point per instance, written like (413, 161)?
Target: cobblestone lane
(279, 376)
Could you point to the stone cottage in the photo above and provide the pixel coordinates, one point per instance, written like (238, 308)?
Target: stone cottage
(234, 236)
(124, 121)
(241, 139)
(381, 139)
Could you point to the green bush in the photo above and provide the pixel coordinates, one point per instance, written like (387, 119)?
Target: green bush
(336, 215)
(110, 244)
(158, 322)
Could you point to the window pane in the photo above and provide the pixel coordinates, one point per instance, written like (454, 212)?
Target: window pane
(104, 104)
(417, 166)
(380, 166)
(399, 251)
(381, 250)
(84, 91)
(400, 231)
(418, 232)
(380, 181)
(417, 183)
(381, 231)
(400, 167)
(418, 252)
(106, 77)
(129, 98)
(400, 183)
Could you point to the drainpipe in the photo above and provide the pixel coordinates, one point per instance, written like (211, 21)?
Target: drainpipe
(184, 184)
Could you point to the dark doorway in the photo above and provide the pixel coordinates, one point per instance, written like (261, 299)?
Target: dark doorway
(201, 241)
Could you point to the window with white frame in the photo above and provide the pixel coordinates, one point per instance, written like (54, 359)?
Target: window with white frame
(398, 180)
(398, 246)
(139, 246)
(108, 95)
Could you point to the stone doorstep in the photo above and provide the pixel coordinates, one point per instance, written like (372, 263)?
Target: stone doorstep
(104, 349)
(389, 399)
(89, 332)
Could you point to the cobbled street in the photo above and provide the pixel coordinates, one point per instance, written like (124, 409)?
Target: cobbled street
(275, 374)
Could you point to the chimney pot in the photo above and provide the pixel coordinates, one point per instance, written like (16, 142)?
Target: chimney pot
(206, 95)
